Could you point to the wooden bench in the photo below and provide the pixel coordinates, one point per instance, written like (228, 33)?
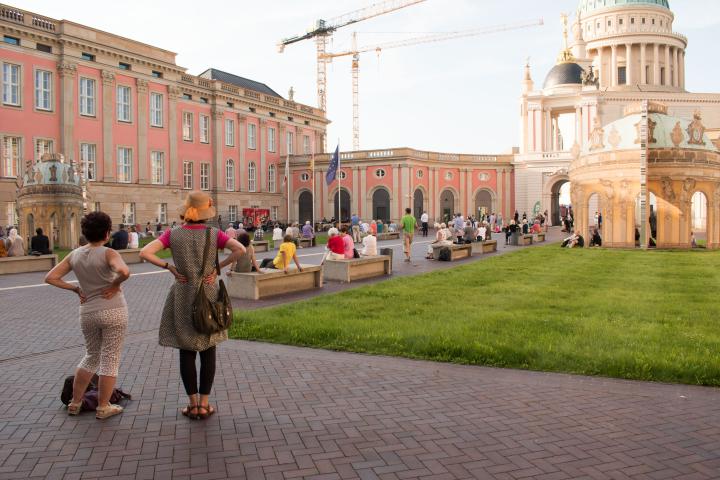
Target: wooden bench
(306, 242)
(540, 237)
(457, 252)
(261, 245)
(130, 255)
(357, 268)
(388, 236)
(270, 282)
(27, 263)
(525, 239)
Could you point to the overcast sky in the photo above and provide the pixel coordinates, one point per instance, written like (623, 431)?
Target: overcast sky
(455, 96)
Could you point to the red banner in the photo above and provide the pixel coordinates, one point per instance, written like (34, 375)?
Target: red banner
(255, 216)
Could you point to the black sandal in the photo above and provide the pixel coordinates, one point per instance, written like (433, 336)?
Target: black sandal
(187, 412)
(209, 411)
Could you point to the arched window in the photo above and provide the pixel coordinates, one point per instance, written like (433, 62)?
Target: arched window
(271, 178)
(230, 175)
(252, 173)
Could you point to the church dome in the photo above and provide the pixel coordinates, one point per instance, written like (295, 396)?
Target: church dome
(563, 74)
(589, 6)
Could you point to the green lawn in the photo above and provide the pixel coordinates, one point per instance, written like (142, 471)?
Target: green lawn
(628, 314)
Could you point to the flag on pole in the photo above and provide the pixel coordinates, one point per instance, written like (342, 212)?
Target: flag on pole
(334, 165)
(287, 170)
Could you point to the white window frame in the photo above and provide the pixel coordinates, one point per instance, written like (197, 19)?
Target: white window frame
(43, 90)
(43, 146)
(274, 212)
(204, 176)
(11, 84)
(87, 94)
(272, 178)
(229, 133)
(124, 165)
(123, 103)
(157, 167)
(232, 213)
(304, 177)
(88, 161)
(306, 144)
(252, 136)
(128, 210)
(289, 138)
(156, 109)
(162, 213)
(11, 213)
(11, 156)
(252, 177)
(271, 139)
(204, 129)
(188, 182)
(230, 175)
(187, 126)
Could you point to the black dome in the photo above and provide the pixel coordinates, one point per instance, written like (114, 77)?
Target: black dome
(564, 73)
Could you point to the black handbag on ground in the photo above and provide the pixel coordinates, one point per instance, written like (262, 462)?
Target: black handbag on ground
(211, 317)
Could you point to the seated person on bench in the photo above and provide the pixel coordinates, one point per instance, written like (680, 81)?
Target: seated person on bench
(335, 245)
(369, 245)
(286, 253)
(246, 263)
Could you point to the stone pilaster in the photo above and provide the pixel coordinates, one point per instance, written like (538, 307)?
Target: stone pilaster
(499, 191)
(437, 208)
(174, 162)
(108, 85)
(217, 167)
(469, 192)
(395, 192)
(242, 148)
(67, 72)
(355, 203)
(261, 176)
(364, 212)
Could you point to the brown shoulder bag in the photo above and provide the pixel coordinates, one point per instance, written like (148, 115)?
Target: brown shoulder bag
(211, 317)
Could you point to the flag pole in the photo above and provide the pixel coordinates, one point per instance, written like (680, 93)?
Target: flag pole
(339, 217)
(287, 176)
(312, 173)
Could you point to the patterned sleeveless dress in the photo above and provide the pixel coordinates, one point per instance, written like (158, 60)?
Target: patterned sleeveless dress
(176, 329)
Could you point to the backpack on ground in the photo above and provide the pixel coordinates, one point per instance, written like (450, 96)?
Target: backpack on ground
(445, 254)
(90, 398)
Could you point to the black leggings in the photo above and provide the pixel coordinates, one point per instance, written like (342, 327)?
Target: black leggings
(188, 373)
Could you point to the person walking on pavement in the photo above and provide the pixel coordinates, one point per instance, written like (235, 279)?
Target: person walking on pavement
(424, 218)
(355, 222)
(409, 225)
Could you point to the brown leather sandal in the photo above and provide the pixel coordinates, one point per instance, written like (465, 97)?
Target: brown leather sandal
(187, 411)
(209, 411)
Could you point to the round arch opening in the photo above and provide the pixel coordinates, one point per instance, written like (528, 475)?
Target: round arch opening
(381, 205)
(447, 205)
(560, 203)
(305, 207)
(342, 204)
(418, 203)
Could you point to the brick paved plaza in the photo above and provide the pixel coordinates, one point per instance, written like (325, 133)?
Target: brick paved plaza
(286, 412)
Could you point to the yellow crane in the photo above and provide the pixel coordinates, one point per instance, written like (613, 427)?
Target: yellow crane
(435, 37)
(323, 29)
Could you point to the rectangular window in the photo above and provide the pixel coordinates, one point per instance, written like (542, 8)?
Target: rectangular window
(188, 175)
(11, 84)
(43, 48)
(124, 165)
(647, 74)
(204, 129)
(96, 207)
(124, 66)
(11, 40)
(87, 97)
(88, 161)
(87, 56)
(187, 126)
(204, 176)
(271, 139)
(43, 90)
(187, 96)
(157, 161)
(123, 103)
(662, 75)
(10, 210)
(43, 146)
(274, 213)
(290, 149)
(129, 213)
(157, 74)
(252, 136)
(162, 213)
(156, 109)
(232, 213)
(229, 133)
(306, 144)
(622, 79)
(11, 156)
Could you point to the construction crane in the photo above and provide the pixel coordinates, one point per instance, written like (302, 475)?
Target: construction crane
(436, 37)
(323, 29)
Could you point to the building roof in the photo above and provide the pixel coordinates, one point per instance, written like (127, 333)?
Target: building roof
(215, 74)
(563, 74)
(587, 6)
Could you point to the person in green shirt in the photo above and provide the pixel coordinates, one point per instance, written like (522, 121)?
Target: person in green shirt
(409, 224)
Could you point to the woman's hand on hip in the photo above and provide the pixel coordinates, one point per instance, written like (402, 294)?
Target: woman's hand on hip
(81, 295)
(179, 277)
(110, 292)
(210, 279)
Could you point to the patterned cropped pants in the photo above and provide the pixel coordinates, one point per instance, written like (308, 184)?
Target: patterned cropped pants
(104, 333)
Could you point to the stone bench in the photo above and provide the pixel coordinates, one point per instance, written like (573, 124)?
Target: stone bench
(306, 242)
(130, 255)
(27, 263)
(525, 240)
(270, 282)
(487, 246)
(388, 236)
(457, 251)
(539, 237)
(261, 245)
(357, 268)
